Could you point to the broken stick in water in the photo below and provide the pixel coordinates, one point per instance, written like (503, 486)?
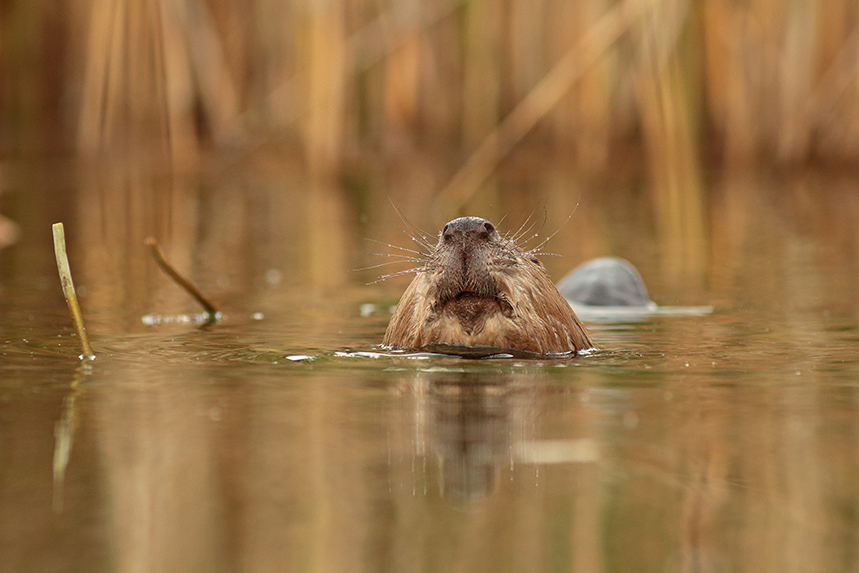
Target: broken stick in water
(69, 290)
(212, 313)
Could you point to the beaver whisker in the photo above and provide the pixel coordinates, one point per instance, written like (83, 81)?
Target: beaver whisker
(388, 263)
(517, 238)
(424, 241)
(411, 230)
(536, 251)
(552, 236)
(383, 278)
(404, 249)
(408, 257)
(521, 231)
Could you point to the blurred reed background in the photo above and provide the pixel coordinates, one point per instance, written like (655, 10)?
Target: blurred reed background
(669, 81)
(667, 90)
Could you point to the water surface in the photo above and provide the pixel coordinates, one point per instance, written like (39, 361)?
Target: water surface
(282, 439)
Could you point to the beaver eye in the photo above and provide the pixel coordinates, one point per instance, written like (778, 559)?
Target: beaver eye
(536, 261)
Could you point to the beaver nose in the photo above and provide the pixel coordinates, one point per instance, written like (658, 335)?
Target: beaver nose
(468, 227)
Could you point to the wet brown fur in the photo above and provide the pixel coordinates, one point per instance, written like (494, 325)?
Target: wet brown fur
(478, 289)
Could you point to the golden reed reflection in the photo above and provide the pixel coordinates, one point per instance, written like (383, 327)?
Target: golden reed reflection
(160, 472)
(192, 467)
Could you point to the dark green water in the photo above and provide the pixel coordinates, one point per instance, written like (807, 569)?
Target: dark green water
(276, 440)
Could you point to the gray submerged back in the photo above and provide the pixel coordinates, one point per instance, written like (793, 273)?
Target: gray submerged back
(607, 281)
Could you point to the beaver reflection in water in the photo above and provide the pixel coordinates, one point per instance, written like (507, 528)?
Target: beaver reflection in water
(478, 291)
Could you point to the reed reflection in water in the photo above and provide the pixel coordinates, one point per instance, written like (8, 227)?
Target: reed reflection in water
(499, 466)
(209, 471)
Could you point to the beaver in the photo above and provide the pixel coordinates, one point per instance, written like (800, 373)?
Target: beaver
(478, 293)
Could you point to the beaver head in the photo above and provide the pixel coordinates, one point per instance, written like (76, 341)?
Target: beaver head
(479, 291)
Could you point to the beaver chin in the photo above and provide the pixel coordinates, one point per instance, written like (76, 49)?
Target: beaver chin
(469, 320)
(469, 307)
(480, 294)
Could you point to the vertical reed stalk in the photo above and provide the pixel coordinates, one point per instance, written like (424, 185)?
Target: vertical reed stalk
(667, 109)
(780, 82)
(482, 71)
(324, 127)
(69, 291)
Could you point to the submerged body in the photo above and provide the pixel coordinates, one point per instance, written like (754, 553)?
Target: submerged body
(478, 290)
(606, 281)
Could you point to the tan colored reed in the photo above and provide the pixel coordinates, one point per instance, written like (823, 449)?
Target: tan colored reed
(69, 291)
(777, 77)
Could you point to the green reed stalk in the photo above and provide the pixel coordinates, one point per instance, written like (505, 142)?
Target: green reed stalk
(69, 290)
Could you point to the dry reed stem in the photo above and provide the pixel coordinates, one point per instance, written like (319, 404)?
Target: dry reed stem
(133, 70)
(217, 88)
(69, 290)
(98, 56)
(142, 60)
(395, 29)
(833, 90)
(189, 287)
(481, 84)
(666, 108)
(325, 88)
(540, 100)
